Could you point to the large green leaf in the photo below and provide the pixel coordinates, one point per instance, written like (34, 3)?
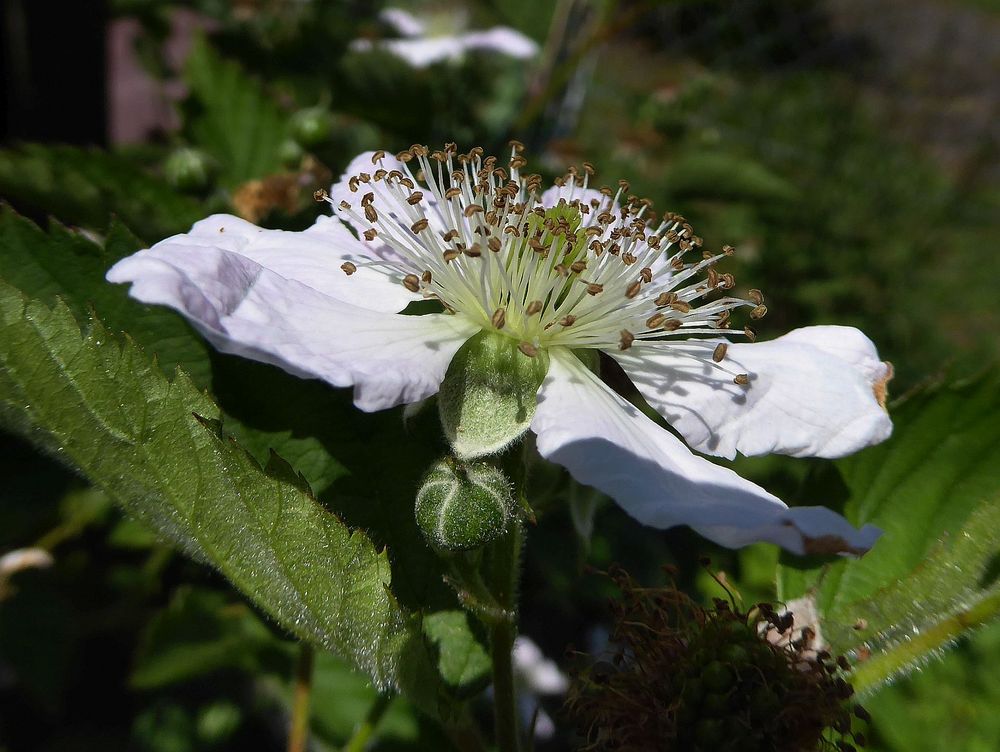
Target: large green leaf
(934, 488)
(232, 118)
(87, 186)
(157, 448)
(70, 266)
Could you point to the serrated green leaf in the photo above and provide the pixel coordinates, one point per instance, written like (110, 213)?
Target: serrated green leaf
(106, 410)
(934, 488)
(234, 119)
(87, 187)
(70, 266)
(462, 660)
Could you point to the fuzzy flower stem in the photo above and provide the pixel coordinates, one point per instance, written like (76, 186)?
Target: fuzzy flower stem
(506, 569)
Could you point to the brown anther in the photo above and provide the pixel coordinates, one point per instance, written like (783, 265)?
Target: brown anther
(426, 277)
(567, 320)
(499, 318)
(589, 168)
(370, 234)
(750, 334)
(494, 244)
(411, 282)
(364, 177)
(626, 339)
(406, 183)
(533, 307)
(593, 288)
(671, 325)
(348, 268)
(758, 312)
(320, 195)
(578, 266)
(720, 352)
(370, 214)
(377, 156)
(628, 258)
(756, 296)
(633, 289)
(452, 193)
(451, 255)
(528, 349)
(414, 198)
(344, 205)
(728, 250)
(713, 278)
(367, 199)
(681, 307)
(472, 209)
(647, 274)
(742, 379)
(516, 145)
(655, 320)
(404, 156)
(516, 163)
(353, 184)
(727, 281)
(474, 251)
(420, 225)
(449, 236)
(560, 269)
(665, 299)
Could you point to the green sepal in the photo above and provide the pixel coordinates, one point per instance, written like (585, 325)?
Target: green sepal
(488, 396)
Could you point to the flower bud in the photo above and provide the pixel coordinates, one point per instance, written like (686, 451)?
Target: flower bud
(463, 506)
(189, 170)
(312, 126)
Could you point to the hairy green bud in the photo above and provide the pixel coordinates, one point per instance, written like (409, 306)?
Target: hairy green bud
(190, 170)
(463, 506)
(489, 394)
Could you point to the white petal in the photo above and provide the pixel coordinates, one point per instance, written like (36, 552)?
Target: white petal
(245, 309)
(502, 39)
(313, 257)
(425, 51)
(606, 442)
(812, 393)
(404, 23)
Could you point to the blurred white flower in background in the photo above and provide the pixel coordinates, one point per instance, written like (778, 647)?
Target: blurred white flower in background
(442, 37)
(536, 675)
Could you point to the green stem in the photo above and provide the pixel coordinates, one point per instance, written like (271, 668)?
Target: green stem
(363, 732)
(298, 734)
(871, 674)
(505, 574)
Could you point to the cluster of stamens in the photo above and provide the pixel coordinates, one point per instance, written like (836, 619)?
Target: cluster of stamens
(589, 269)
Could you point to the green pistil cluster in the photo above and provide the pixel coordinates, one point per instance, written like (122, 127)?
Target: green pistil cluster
(685, 677)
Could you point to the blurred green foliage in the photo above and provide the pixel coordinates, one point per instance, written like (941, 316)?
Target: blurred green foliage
(772, 126)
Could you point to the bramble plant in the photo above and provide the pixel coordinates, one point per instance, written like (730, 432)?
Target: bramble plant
(311, 444)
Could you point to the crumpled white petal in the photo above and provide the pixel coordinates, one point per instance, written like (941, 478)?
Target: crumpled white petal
(606, 442)
(248, 310)
(313, 258)
(815, 392)
(502, 39)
